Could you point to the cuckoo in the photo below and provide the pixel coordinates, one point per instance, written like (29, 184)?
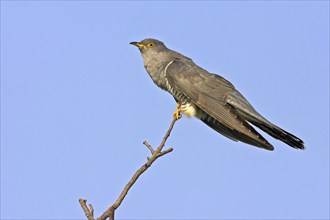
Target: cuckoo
(208, 97)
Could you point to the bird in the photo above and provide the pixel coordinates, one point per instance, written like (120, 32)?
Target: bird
(209, 97)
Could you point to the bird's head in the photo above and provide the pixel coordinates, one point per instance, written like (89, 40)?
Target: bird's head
(150, 45)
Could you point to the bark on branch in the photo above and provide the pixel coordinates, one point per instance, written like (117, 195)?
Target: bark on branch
(155, 153)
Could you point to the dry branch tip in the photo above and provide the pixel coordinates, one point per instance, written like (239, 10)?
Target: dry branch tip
(110, 212)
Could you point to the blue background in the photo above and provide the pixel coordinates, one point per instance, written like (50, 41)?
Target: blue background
(77, 103)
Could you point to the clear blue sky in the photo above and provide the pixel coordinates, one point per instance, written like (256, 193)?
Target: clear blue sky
(77, 103)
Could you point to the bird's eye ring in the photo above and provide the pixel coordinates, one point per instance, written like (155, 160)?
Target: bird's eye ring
(151, 45)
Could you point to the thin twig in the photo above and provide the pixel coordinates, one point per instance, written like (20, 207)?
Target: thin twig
(149, 147)
(162, 144)
(166, 151)
(89, 212)
(110, 212)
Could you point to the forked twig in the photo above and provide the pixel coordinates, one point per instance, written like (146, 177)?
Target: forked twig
(110, 212)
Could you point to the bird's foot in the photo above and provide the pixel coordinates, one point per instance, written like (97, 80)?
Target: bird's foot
(177, 114)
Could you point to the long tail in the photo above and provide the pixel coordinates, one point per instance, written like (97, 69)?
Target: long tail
(279, 133)
(246, 111)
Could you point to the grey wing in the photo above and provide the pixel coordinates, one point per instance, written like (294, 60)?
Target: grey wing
(209, 92)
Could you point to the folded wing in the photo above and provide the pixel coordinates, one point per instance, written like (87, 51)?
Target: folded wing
(209, 92)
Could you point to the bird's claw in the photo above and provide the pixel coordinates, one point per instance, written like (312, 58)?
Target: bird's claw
(177, 114)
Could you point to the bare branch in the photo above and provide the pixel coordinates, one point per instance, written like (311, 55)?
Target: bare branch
(91, 209)
(166, 151)
(162, 144)
(89, 212)
(149, 147)
(110, 212)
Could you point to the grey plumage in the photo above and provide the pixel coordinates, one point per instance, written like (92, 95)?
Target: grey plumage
(209, 97)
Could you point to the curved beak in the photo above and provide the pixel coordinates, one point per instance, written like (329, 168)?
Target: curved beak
(138, 44)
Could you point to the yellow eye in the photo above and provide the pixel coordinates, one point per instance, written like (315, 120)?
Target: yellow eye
(151, 45)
